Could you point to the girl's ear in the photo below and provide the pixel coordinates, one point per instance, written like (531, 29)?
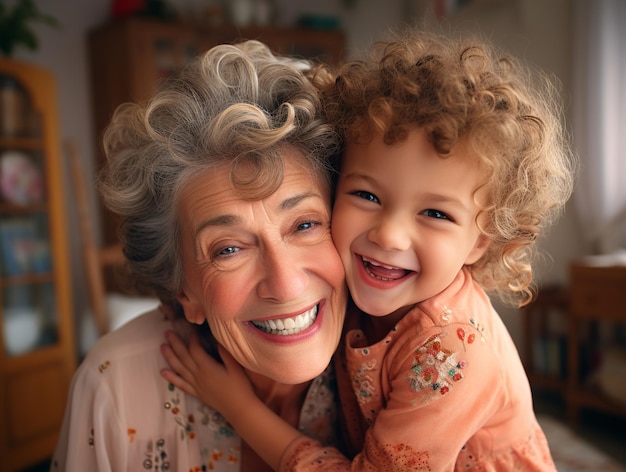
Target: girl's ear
(482, 243)
(194, 310)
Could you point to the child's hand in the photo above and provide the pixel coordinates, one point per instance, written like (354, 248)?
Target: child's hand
(224, 387)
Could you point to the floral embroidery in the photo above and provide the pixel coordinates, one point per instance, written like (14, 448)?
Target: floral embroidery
(479, 328)
(445, 314)
(156, 456)
(318, 418)
(104, 366)
(363, 383)
(460, 332)
(217, 455)
(216, 422)
(434, 367)
(131, 434)
(185, 422)
(403, 457)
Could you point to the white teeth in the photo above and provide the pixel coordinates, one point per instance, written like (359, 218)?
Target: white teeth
(286, 326)
(378, 264)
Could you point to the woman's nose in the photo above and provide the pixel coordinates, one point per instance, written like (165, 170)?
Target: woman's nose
(391, 233)
(283, 276)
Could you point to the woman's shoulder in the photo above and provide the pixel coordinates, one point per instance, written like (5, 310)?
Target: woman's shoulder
(141, 336)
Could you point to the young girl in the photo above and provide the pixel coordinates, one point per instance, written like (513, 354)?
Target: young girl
(454, 164)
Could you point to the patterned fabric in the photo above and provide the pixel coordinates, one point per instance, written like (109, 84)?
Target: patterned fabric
(123, 416)
(444, 390)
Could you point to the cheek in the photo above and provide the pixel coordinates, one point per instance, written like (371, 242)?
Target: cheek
(327, 258)
(225, 297)
(344, 229)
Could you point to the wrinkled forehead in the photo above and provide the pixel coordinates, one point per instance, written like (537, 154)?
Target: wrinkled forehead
(256, 176)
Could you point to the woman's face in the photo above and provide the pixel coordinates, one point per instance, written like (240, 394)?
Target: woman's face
(264, 273)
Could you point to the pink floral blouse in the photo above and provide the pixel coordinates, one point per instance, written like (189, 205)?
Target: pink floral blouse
(444, 390)
(123, 416)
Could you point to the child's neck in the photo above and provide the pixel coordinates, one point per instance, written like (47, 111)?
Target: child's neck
(377, 327)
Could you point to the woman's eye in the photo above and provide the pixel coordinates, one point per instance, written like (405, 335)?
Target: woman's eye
(307, 225)
(227, 251)
(436, 214)
(370, 197)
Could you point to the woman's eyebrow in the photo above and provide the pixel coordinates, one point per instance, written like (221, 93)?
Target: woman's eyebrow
(221, 220)
(292, 202)
(226, 220)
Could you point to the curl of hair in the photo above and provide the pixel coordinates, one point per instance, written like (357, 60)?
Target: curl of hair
(508, 114)
(237, 105)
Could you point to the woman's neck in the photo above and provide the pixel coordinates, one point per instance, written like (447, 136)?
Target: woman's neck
(284, 399)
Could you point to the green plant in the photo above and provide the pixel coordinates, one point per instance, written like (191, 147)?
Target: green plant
(14, 25)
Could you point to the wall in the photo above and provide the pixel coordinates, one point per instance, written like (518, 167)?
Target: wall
(536, 30)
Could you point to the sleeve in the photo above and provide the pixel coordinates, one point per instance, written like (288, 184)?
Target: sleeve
(440, 392)
(91, 436)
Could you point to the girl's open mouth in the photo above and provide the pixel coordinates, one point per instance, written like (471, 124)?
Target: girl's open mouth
(382, 271)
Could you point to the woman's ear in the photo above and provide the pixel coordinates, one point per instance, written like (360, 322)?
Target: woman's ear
(482, 243)
(194, 310)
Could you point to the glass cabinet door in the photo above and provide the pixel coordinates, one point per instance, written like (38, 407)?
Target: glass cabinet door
(27, 295)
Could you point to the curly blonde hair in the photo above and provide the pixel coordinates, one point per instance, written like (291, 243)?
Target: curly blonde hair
(238, 105)
(510, 116)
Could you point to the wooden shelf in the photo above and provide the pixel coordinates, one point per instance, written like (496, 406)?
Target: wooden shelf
(598, 295)
(34, 379)
(129, 57)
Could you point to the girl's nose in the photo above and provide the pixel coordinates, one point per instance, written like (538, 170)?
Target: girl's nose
(283, 277)
(391, 234)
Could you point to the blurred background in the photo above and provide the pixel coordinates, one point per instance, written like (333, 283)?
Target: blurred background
(101, 52)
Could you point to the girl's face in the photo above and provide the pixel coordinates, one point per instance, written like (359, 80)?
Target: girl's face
(404, 221)
(264, 273)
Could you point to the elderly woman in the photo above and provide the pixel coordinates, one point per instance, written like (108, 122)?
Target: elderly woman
(223, 189)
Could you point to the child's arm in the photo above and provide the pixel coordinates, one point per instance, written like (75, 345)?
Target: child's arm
(226, 388)
(422, 428)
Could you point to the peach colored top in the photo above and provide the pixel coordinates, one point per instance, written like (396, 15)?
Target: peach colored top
(444, 390)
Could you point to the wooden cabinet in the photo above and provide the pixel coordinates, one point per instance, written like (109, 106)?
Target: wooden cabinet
(37, 347)
(593, 305)
(128, 58)
(597, 295)
(545, 340)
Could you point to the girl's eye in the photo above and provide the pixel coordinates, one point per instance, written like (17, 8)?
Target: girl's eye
(370, 197)
(436, 214)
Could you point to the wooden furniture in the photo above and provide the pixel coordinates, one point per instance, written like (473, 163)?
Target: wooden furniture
(37, 347)
(597, 295)
(97, 259)
(128, 58)
(545, 340)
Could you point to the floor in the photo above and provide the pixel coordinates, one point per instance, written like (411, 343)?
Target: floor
(606, 432)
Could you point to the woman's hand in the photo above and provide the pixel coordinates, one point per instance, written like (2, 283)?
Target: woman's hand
(224, 387)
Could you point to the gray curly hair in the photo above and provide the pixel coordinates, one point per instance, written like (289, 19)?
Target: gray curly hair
(236, 104)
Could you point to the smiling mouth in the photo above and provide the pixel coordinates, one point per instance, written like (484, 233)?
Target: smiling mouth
(382, 271)
(287, 326)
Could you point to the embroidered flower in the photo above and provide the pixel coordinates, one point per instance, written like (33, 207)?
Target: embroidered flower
(480, 328)
(363, 383)
(445, 315)
(434, 367)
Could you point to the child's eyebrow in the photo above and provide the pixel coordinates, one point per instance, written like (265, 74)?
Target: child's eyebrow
(437, 198)
(357, 175)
